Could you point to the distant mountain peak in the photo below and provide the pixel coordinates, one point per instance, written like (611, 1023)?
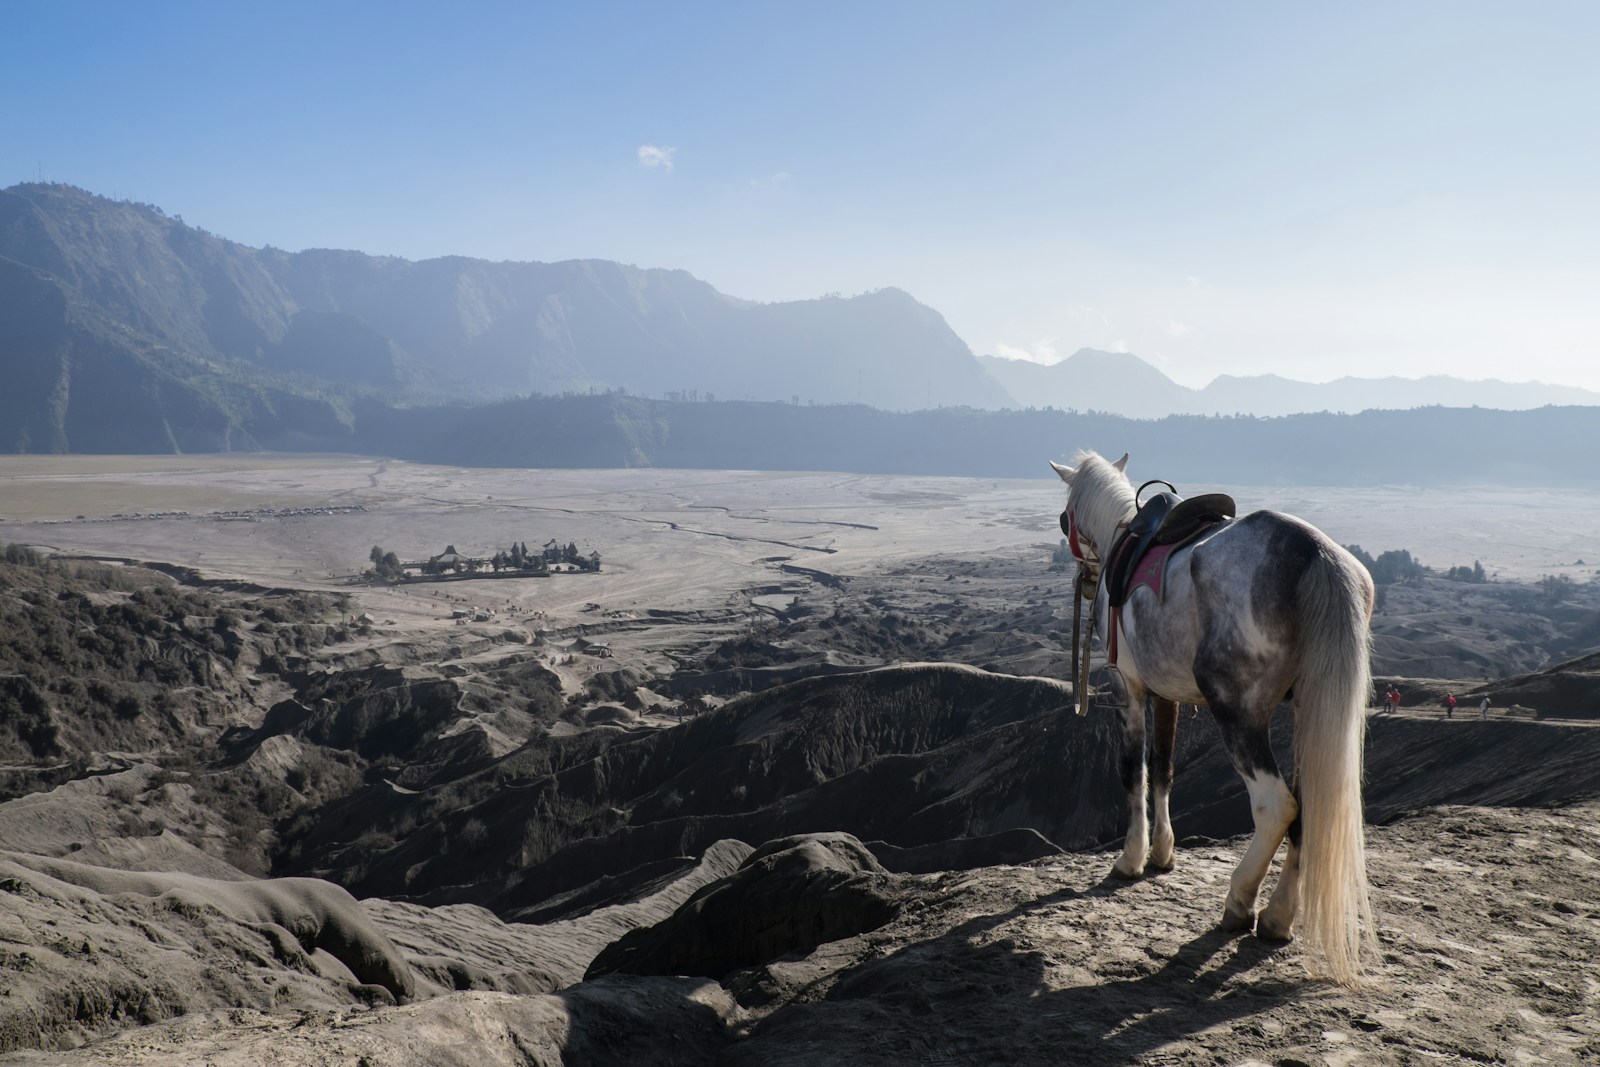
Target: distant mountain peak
(1124, 384)
(1090, 355)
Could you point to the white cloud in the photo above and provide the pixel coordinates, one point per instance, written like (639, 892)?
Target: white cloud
(1120, 345)
(1178, 329)
(1043, 351)
(653, 156)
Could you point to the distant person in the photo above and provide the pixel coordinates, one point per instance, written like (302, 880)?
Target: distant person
(1449, 705)
(1483, 709)
(1394, 699)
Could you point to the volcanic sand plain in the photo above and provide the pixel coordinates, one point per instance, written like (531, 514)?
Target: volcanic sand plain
(675, 538)
(715, 550)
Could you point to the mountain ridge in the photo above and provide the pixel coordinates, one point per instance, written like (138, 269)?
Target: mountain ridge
(1442, 446)
(124, 330)
(1121, 383)
(454, 327)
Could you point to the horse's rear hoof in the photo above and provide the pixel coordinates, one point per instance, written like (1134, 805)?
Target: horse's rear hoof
(1122, 875)
(1274, 935)
(1236, 923)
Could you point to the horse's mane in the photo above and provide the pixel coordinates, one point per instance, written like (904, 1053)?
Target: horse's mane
(1100, 495)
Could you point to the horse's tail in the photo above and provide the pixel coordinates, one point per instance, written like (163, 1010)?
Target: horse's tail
(1330, 698)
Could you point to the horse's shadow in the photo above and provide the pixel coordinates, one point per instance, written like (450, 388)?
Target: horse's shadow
(1000, 999)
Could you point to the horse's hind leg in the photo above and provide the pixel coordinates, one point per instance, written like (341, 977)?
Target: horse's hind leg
(1272, 805)
(1277, 918)
(1136, 847)
(1165, 715)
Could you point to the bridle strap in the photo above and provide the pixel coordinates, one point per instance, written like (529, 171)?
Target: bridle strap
(1085, 551)
(1085, 587)
(1077, 623)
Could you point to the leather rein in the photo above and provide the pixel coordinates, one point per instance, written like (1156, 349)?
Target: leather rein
(1086, 586)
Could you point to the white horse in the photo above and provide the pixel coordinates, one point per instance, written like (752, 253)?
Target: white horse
(1254, 612)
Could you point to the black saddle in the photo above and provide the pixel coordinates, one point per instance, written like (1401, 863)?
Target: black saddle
(1164, 519)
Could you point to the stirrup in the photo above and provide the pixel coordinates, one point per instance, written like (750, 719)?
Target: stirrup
(1110, 695)
(1107, 696)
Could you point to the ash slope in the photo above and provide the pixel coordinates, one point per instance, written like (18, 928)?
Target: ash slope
(1047, 930)
(1489, 954)
(910, 758)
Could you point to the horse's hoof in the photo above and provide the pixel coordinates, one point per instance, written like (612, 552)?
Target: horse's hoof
(1235, 922)
(1276, 922)
(1126, 876)
(1156, 866)
(1274, 933)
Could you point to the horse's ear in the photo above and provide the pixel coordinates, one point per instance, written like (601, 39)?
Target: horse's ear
(1065, 472)
(1122, 464)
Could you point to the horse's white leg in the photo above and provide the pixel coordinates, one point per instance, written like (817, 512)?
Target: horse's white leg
(1135, 784)
(1277, 918)
(1274, 809)
(1165, 714)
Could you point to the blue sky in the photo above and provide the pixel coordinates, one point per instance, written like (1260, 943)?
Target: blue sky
(1305, 189)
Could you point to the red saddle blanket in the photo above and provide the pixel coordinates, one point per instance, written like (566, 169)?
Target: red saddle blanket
(1151, 570)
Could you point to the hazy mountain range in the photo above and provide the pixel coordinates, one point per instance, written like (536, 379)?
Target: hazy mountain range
(114, 310)
(1120, 383)
(123, 329)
